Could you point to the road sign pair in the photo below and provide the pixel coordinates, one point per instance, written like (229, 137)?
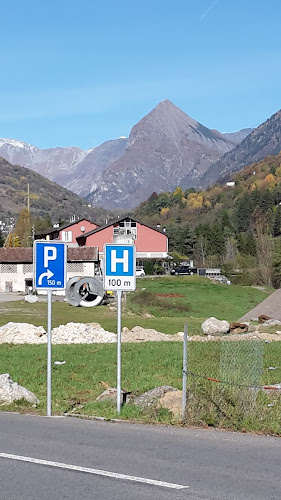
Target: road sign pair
(49, 259)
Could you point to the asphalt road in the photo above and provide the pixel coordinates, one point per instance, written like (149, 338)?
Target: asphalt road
(210, 464)
(10, 296)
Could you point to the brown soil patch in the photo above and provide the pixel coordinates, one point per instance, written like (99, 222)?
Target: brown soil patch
(172, 401)
(168, 295)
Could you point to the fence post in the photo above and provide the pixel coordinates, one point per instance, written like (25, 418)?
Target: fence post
(184, 370)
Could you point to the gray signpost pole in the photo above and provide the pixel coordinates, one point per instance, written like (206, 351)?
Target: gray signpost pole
(119, 306)
(49, 356)
(49, 273)
(184, 371)
(119, 274)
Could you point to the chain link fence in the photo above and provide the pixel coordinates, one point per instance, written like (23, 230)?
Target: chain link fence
(225, 384)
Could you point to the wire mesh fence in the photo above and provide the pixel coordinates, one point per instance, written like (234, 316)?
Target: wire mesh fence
(224, 383)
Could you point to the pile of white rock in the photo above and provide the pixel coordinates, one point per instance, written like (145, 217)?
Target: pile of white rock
(22, 333)
(71, 333)
(82, 333)
(79, 333)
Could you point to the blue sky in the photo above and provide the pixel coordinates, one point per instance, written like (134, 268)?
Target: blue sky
(80, 73)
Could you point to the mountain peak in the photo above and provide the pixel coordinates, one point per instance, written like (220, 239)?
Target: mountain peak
(169, 107)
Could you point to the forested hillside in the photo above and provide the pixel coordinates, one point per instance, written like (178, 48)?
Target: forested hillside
(236, 226)
(46, 197)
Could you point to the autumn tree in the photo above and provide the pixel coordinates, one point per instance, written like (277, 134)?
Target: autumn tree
(23, 228)
(264, 247)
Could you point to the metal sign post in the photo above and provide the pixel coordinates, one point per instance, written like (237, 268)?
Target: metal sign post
(184, 370)
(49, 273)
(49, 356)
(119, 273)
(119, 314)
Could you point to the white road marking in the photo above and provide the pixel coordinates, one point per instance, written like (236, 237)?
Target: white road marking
(97, 472)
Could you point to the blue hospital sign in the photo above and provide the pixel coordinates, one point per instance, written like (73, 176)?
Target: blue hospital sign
(119, 267)
(49, 265)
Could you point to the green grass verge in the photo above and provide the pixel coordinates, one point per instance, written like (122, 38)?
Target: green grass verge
(192, 299)
(164, 304)
(76, 384)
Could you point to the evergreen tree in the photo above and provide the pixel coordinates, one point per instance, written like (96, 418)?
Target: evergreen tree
(216, 242)
(277, 222)
(246, 244)
(244, 213)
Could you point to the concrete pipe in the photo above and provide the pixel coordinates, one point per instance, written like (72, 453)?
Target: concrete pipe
(88, 292)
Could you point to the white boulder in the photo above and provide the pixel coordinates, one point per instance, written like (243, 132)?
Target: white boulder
(10, 391)
(213, 325)
(31, 299)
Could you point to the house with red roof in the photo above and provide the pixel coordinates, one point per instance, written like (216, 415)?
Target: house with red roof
(68, 232)
(151, 243)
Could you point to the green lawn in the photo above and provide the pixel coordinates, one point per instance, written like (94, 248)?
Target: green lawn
(77, 383)
(161, 303)
(197, 300)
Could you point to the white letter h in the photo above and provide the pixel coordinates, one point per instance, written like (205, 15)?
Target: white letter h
(122, 260)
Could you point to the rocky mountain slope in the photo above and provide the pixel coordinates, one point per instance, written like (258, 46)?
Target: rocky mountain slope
(165, 149)
(54, 163)
(85, 177)
(237, 137)
(46, 197)
(262, 141)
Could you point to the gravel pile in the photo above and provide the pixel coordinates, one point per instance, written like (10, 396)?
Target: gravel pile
(139, 334)
(22, 333)
(93, 333)
(78, 333)
(81, 333)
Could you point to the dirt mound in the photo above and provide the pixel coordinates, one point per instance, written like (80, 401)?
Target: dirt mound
(173, 402)
(269, 337)
(269, 307)
(139, 334)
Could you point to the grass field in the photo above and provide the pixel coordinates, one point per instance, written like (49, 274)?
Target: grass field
(77, 383)
(176, 300)
(161, 303)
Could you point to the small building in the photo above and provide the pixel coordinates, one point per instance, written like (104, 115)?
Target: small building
(16, 267)
(151, 243)
(209, 272)
(230, 183)
(68, 232)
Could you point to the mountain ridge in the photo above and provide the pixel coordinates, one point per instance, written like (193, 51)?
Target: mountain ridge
(46, 197)
(164, 148)
(262, 141)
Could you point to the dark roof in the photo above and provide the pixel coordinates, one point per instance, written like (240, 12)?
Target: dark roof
(9, 255)
(25, 255)
(114, 221)
(51, 230)
(82, 254)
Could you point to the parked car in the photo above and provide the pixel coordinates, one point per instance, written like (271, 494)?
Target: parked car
(140, 272)
(183, 270)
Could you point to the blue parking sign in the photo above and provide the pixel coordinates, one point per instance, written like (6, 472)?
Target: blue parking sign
(49, 265)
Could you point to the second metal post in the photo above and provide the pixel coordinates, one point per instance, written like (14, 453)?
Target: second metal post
(49, 356)
(119, 306)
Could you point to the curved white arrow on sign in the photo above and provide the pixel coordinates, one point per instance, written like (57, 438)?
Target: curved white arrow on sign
(48, 275)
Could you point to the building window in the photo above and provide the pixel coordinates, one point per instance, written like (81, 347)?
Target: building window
(66, 236)
(75, 267)
(27, 268)
(125, 228)
(8, 268)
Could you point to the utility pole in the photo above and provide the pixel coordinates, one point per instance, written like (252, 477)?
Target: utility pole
(28, 198)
